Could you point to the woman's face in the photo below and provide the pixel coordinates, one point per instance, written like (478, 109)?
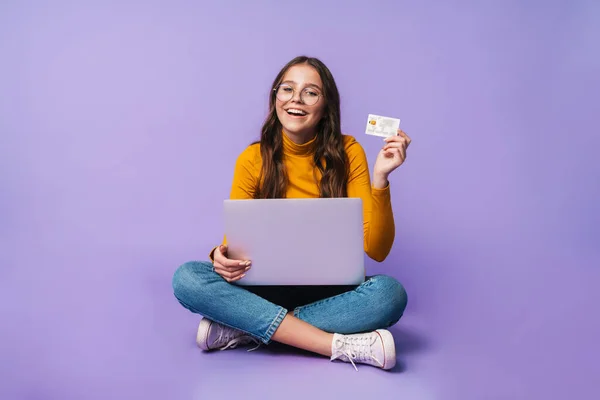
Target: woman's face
(299, 103)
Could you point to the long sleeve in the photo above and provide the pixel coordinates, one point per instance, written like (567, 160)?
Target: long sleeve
(245, 178)
(378, 217)
(245, 175)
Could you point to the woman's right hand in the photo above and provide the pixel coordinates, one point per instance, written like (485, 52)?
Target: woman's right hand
(230, 270)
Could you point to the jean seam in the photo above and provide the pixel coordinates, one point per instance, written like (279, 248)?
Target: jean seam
(207, 316)
(266, 338)
(324, 301)
(274, 325)
(337, 297)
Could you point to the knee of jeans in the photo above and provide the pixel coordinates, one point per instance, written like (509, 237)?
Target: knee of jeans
(393, 297)
(187, 280)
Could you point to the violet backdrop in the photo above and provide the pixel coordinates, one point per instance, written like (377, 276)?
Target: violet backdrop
(120, 123)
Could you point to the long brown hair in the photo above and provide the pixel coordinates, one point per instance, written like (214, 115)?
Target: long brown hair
(329, 157)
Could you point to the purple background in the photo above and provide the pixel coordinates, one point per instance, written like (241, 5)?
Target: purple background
(120, 123)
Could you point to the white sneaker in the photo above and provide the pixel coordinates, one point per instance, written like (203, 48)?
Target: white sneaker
(374, 348)
(212, 335)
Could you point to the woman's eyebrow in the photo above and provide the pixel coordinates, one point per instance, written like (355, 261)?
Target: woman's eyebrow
(308, 84)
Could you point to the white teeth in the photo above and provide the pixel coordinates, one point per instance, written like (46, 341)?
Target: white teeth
(297, 112)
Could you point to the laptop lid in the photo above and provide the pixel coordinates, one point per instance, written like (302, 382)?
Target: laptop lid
(310, 241)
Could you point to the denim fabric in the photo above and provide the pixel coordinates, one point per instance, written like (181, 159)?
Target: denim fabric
(377, 303)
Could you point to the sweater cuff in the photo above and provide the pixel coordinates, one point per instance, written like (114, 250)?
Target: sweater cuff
(211, 255)
(381, 192)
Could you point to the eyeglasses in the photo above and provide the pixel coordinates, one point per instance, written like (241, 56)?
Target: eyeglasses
(309, 96)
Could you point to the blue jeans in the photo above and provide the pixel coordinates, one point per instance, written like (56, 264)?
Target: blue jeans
(377, 303)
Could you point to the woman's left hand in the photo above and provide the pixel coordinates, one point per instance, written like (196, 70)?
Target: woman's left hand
(391, 156)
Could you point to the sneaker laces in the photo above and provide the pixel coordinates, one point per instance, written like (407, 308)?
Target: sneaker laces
(356, 348)
(232, 338)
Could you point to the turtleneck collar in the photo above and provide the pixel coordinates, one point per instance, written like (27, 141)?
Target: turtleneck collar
(289, 147)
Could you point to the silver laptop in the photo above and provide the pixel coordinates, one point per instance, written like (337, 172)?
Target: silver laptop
(297, 241)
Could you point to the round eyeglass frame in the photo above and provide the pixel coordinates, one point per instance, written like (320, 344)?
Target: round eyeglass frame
(319, 95)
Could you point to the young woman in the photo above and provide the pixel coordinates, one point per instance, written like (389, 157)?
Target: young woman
(303, 153)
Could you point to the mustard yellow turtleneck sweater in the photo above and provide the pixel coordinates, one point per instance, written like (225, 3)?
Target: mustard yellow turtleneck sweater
(378, 219)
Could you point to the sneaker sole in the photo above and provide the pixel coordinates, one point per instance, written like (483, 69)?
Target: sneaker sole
(389, 348)
(202, 335)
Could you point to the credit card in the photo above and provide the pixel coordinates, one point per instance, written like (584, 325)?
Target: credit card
(382, 126)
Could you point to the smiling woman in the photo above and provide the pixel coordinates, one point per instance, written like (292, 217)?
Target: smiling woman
(302, 153)
(297, 102)
(306, 101)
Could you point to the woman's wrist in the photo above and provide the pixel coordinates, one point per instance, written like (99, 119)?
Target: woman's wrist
(380, 181)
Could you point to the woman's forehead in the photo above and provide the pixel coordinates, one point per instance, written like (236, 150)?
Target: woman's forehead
(303, 75)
